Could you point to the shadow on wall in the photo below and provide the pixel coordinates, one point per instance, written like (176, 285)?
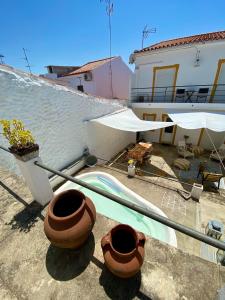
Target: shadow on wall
(105, 142)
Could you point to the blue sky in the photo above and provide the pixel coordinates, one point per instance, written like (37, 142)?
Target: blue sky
(73, 32)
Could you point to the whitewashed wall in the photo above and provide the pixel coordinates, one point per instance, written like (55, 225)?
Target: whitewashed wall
(185, 56)
(107, 141)
(57, 118)
(100, 85)
(75, 80)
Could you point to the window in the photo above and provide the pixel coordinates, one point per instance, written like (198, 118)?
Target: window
(169, 129)
(88, 76)
(80, 88)
(149, 117)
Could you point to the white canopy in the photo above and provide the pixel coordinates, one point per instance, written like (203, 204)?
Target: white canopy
(194, 120)
(126, 120)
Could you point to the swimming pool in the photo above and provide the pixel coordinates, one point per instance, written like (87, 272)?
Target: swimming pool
(119, 212)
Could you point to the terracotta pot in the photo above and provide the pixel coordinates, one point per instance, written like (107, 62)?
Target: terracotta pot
(123, 250)
(70, 219)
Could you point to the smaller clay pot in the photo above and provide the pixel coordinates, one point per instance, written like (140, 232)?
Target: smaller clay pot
(123, 250)
(70, 219)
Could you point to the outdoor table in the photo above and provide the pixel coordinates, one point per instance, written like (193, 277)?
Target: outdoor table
(189, 94)
(139, 151)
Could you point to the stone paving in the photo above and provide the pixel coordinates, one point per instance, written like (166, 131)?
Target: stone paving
(30, 268)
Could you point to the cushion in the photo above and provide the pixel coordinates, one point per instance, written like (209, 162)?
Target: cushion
(182, 163)
(216, 225)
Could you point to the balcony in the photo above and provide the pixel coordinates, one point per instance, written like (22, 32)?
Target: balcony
(179, 94)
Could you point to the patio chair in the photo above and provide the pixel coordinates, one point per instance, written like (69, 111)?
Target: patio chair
(214, 229)
(180, 94)
(221, 151)
(211, 177)
(202, 94)
(182, 150)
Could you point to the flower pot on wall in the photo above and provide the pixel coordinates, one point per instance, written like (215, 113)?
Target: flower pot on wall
(25, 154)
(123, 250)
(70, 219)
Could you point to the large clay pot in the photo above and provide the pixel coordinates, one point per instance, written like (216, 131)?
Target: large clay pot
(123, 250)
(70, 219)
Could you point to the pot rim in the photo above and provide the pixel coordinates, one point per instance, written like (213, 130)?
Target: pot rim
(57, 197)
(130, 229)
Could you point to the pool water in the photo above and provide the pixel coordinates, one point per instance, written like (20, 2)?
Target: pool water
(117, 211)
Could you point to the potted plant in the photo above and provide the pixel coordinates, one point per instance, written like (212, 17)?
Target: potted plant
(23, 146)
(131, 168)
(22, 143)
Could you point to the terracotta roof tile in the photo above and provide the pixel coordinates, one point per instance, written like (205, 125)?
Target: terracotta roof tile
(90, 66)
(211, 36)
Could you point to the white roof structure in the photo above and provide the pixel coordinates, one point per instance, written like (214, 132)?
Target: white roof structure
(126, 120)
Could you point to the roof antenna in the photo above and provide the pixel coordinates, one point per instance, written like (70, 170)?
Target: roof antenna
(109, 11)
(145, 33)
(27, 61)
(1, 59)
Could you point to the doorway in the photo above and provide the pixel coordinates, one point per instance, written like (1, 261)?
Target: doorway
(218, 89)
(164, 82)
(167, 135)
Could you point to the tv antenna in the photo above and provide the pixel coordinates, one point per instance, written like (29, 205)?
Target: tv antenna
(145, 33)
(1, 59)
(27, 61)
(109, 12)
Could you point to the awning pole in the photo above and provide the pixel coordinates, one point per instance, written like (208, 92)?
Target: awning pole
(221, 161)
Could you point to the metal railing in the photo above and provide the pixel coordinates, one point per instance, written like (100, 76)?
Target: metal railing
(148, 213)
(200, 93)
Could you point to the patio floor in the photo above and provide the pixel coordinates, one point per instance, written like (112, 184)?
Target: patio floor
(164, 193)
(30, 268)
(161, 164)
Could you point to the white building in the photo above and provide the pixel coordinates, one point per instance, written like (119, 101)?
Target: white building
(182, 74)
(95, 78)
(55, 72)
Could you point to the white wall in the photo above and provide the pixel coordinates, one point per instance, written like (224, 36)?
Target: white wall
(105, 142)
(75, 80)
(56, 116)
(188, 74)
(100, 85)
(121, 76)
(50, 75)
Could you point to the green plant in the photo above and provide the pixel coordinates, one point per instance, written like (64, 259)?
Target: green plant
(16, 134)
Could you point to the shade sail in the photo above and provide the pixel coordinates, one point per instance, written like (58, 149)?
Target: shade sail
(126, 120)
(195, 120)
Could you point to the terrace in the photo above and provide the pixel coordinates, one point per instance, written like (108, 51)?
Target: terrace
(200, 93)
(39, 270)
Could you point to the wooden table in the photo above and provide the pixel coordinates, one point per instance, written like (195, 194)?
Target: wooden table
(139, 151)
